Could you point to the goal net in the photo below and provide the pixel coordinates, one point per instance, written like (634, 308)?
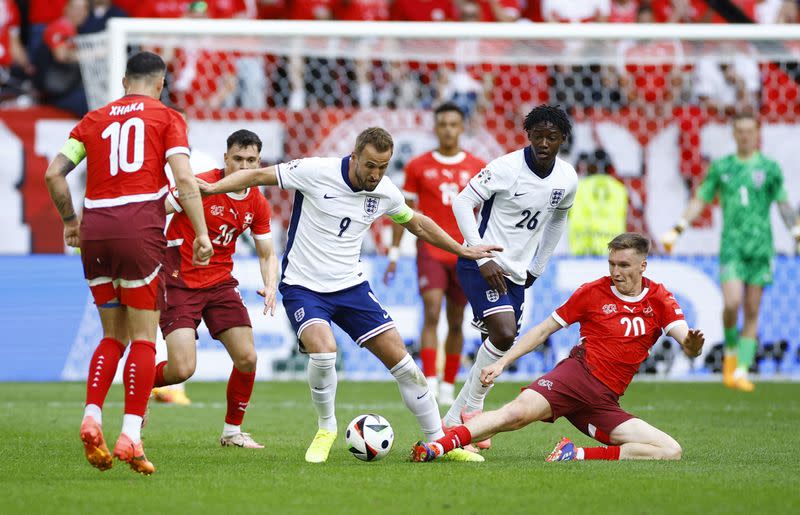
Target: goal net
(651, 104)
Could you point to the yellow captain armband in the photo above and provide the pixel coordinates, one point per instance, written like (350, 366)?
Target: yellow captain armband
(74, 150)
(405, 214)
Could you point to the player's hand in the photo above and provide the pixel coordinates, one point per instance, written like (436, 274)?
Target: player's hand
(72, 232)
(480, 251)
(494, 275)
(530, 280)
(269, 300)
(693, 343)
(668, 240)
(388, 275)
(202, 250)
(206, 188)
(491, 372)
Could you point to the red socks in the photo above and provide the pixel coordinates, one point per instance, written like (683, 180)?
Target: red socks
(601, 453)
(240, 387)
(102, 369)
(140, 370)
(458, 436)
(428, 357)
(452, 363)
(159, 378)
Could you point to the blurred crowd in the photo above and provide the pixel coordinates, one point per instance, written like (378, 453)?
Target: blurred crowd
(39, 64)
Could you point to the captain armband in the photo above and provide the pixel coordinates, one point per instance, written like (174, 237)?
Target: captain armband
(74, 151)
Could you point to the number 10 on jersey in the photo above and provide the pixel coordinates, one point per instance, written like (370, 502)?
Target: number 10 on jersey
(119, 135)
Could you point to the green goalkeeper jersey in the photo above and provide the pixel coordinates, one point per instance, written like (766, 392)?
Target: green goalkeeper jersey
(746, 190)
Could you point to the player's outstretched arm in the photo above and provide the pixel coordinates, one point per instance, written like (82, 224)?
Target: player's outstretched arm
(427, 230)
(192, 205)
(268, 263)
(551, 235)
(693, 210)
(792, 222)
(394, 250)
(241, 180)
(691, 340)
(527, 343)
(56, 179)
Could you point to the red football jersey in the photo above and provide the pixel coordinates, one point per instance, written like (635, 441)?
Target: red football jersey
(227, 216)
(436, 180)
(127, 145)
(617, 331)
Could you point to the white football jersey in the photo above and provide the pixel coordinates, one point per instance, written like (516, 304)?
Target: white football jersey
(517, 204)
(329, 220)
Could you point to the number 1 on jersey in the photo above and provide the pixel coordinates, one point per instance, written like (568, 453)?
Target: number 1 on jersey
(119, 135)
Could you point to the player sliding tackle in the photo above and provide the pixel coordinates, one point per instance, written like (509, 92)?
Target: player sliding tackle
(621, 316)
(336, 201)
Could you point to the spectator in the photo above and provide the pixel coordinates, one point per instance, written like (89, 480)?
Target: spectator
(495, 10)
(11, 50)
(361, 10)
(651, 72)
(40, 14)
(272, 9)
(424, 10)
(58, 74)
(202, 78)
(532, 11)
(728, 86)
(624, 11)
(102, 11)
(680, 11)
(160, 8)
(575, 11)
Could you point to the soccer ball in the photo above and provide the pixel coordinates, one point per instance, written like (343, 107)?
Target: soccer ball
(369, 437)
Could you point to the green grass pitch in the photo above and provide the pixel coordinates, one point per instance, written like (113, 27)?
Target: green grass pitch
(740, 456)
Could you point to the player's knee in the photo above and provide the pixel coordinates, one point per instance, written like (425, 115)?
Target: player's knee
(503, 337)
(671, 450)
(516, 416)
(431, 316)
(246, 362)
(182, 371)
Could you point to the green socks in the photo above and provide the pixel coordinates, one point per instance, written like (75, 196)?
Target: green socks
(747, 352)
(731, 339)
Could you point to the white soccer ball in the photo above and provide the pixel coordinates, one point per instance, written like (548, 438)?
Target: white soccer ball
(369, 437)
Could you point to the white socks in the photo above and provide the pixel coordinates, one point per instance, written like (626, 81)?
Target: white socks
(230, 430)
(487, 355)
(322, 381)
(418, 398)
(132, 426)
(473, 393)
(94, 411)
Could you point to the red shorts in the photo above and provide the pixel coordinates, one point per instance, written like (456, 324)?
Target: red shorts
(220, 306)
(128, 270)
(573, 392)
(433, 274)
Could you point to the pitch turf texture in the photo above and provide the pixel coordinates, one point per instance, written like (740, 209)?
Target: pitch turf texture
(740, 456)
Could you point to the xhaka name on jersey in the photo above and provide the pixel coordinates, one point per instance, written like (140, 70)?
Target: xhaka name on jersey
(125, 109)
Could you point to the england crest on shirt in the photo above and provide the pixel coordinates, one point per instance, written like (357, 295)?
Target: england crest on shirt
(759, 176)
(371, 206)
(555, 197)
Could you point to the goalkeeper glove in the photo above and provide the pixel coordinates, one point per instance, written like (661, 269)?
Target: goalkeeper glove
(670, 237)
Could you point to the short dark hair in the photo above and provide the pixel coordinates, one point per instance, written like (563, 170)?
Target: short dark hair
(243, 139)
(143, 64)
(631, 240)
(551, 114)
(448, 107)
(375, 136)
